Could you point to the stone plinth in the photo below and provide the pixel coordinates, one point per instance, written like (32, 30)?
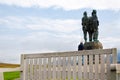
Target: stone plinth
(93, 45)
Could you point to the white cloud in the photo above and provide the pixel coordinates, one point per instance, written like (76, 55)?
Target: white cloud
(66, 4)
(49, 35)
(34, 23)
(111, 42)
(45, 35)
(55, 25)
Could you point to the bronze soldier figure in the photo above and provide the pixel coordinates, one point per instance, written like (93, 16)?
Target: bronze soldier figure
(95, 25)
(84, 25)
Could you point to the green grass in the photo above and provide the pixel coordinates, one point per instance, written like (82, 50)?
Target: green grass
(11, 75)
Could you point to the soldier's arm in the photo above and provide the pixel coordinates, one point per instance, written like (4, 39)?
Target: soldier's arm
(98, 22)
(82, 21)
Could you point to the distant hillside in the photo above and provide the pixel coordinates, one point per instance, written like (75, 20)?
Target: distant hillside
(7, 65)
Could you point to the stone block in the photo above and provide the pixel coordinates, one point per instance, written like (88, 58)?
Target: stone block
(93, 45)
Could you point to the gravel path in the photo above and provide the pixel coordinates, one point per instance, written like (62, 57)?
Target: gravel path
(1, 75)
(9, 69)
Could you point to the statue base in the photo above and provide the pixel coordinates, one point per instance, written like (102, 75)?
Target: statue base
(92, 45)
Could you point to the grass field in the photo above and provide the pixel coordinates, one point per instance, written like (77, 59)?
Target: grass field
(7, 65)
(11, 75)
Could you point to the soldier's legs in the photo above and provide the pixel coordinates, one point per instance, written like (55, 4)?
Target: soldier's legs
(95, 36)
(90, 36)
(85, 36)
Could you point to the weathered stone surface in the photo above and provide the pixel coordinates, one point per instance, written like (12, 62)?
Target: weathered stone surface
(93, 45)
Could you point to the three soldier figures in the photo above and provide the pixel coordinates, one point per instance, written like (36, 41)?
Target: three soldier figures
(90, 25)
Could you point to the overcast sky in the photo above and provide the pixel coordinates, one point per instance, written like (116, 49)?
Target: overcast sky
(30, 26)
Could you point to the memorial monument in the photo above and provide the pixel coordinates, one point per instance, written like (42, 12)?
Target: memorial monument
(90, 27)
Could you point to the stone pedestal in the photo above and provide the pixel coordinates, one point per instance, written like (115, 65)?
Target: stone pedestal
(93, 45)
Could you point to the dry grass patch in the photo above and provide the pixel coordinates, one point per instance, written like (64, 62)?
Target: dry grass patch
(7, 65)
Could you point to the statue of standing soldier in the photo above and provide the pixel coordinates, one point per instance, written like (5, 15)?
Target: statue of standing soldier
(84, 25)
(90, 25)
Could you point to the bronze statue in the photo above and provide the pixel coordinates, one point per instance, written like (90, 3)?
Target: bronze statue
(90, 25)
(84, 25)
